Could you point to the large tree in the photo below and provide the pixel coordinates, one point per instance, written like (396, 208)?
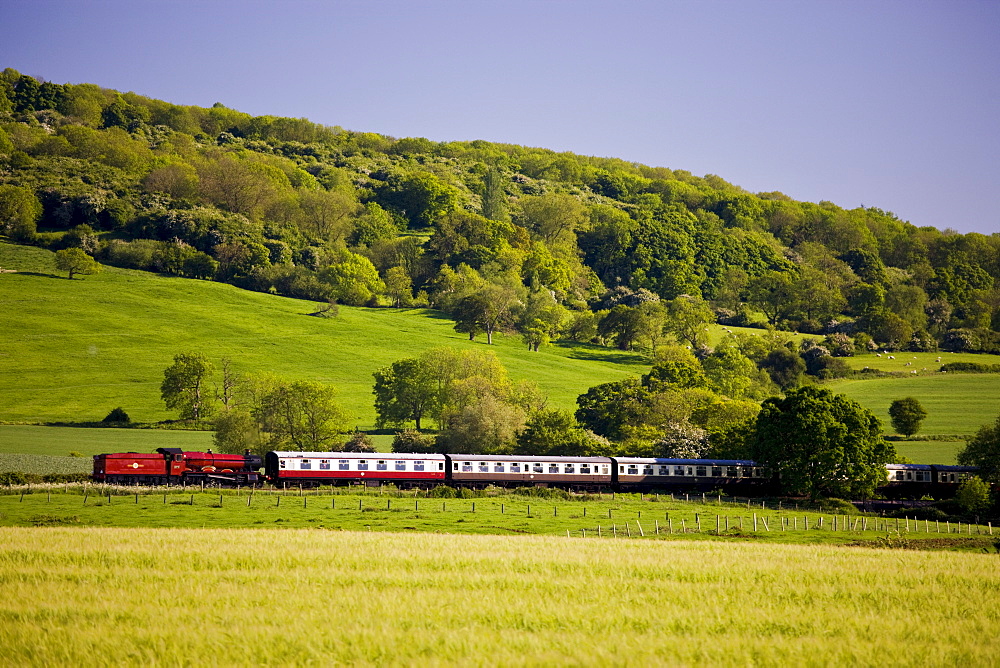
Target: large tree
(76, 261)
(302, 415)
(907, 414)
(983, 450)
(184, 385)
(406, 390)
(821, 443)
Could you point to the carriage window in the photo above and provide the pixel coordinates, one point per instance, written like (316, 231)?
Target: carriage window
(647, 469)
(440, 466)
(585, 469)
(382, 465)
(537, 468)
(604, 469)
(305, 464)
(690, 470)
(553, 468)
(700, 471)
(324, 464)
(716, 471)
(678, 470)
(282, 463)
(499, 468)
(569, 468)
(621, 469)
(633, 469)
(418, 465)
(400, 464)
(466, 467)
(484, 467)
(362, 464)
(664, 470)
(922, 476)
(733, 471)
(344, 464)
(515, 468)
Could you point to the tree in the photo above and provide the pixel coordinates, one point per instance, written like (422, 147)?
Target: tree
(183, 385)
(76, 261)
(302, 415)
(821, 443)
(359, 441)
(405, 390)
(784, 366)
(687, 318)
(907, 414)
(487, 310)
(973, 495)
(19, 211)
(983, 450)
(554, 432)
(237, 431)
(398, 286)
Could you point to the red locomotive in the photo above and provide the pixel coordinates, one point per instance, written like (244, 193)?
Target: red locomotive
(173, 466)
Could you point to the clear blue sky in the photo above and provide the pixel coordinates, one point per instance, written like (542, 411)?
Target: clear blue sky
(888, 104)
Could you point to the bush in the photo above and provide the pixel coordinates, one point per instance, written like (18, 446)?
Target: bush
(836, 506)
(117, 416)
(443, 492)
(411, 440)
(969, 367)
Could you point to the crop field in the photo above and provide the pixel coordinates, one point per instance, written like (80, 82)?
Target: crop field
(76, 349)
(62, 441)
(296, 597)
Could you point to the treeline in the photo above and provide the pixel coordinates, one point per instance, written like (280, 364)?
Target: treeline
(502, 237)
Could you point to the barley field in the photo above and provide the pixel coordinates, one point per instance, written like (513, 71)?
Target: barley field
(306, 597)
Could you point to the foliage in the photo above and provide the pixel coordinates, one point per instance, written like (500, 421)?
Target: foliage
(183, 386)
(983, 450)
(76, 261)
(406, 390)
(302, 415)
(906, 414)
(820, 443)
(358, 441)
(973, 495)
(117, 416)
(411, 440)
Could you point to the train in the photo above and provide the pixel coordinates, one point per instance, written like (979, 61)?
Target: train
(173, 466)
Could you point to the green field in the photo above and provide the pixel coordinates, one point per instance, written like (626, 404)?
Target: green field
(640, 517)
(956, 404)
(76, 349)
(302, 597)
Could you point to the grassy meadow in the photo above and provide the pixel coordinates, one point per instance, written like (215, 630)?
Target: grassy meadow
(634, 516)
(76, 349)
(296, 597)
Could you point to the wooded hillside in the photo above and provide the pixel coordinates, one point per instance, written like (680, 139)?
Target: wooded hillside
(500, 236)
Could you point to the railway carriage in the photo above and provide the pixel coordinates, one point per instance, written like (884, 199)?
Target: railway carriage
(345, 468)
(913, 481)
(695, 475)
(591, 473)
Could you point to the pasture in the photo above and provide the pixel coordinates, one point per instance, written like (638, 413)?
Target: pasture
(634, 516)
(297, 597)
(77, 349)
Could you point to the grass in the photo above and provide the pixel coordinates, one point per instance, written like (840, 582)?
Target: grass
(641, 517)
(956, 404)
(76, 349)
(62, 441)
(371, 598)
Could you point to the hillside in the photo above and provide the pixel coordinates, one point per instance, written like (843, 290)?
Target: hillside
(76, 349)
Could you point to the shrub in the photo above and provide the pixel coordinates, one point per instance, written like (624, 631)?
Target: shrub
(117, 416)
(837, 506)
(969, 367)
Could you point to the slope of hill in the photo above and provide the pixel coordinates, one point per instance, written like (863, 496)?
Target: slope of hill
(76, 349)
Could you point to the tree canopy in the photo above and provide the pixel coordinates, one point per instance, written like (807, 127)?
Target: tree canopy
(820, 443)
